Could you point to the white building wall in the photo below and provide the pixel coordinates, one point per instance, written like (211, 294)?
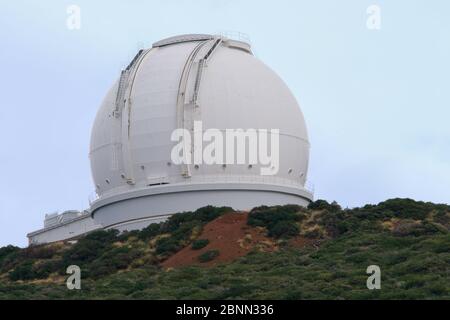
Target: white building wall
(64, 231)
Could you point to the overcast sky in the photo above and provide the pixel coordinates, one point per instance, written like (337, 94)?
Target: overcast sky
(376, 102)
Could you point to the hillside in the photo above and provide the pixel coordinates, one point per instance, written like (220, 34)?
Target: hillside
(283, 252)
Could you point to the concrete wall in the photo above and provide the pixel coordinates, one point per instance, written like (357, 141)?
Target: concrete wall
(67, 230)
(136, 210)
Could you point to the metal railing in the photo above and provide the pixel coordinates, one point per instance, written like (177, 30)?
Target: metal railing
(199, 179)
(236, 35)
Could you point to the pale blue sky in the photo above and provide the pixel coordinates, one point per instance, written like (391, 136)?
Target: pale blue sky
(377, 103)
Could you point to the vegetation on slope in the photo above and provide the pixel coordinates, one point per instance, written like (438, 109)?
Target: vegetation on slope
(409, 240)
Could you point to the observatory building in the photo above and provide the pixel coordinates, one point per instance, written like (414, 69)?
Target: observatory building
(197, 84)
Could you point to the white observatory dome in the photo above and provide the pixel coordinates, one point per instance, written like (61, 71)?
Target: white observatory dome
(179, 81)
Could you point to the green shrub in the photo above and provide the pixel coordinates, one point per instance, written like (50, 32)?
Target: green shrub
(404, 208)
(127, 234)
(178, 239)
(167, 246)
(112, 260)
(150, 231)
(208, 256)
(89, 248)
(201, 215)
(334, 223)
(280, 221)
(209, 213)
(263, 216)
(284, 229)
(442, 217)
(199, 244)
(5, 251)
(416, 229)
(39, 252)
(44, 268)
(9, 256)
(313, 234)
(237, 291)
(23, 272)
(321, 204)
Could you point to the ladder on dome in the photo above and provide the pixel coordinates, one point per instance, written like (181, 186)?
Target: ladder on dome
(182, 100)
(123, 84)
(120, 106)
(201, 64)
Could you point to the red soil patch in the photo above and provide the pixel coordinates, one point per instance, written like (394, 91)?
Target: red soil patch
(229, 234)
